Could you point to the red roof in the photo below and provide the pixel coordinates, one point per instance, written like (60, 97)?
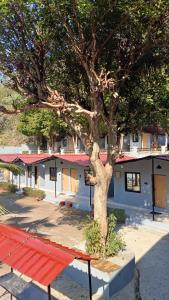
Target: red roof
(80, 159)
(33, 256)
(8, 158)
(83, 159)
(33, 158)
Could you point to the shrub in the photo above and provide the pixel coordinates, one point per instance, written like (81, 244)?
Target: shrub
(118, 213)
(114, 242)
(4, 185)
(39, 194)
(93, 237)
(11, 188)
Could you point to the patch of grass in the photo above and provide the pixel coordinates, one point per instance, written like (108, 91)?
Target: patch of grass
(39, 194)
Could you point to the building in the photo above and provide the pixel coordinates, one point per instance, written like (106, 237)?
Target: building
(139, 182)
(150, 141)
(59, 175)
(143, 182)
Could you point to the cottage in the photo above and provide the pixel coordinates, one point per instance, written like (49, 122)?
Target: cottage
(58, 175)
(143, 182)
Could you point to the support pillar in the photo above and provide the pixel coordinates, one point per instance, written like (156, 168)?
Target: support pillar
(90, 280)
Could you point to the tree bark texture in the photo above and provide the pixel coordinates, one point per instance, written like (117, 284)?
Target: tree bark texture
(102, 181)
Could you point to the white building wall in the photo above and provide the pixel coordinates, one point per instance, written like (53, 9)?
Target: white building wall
(144, 167)
(134, 145)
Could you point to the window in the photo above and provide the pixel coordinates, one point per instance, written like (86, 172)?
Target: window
(29, 171)
(64, 142)
(135, 137)
(132, 182)
(53, 174)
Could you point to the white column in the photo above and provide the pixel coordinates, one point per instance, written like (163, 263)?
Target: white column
(121, 141)
(166, 140)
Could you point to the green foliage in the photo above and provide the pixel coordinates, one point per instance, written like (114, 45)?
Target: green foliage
(11, 167)
(93, 238)
(9, 134)
(118, 213)
(11, 188)
(36, 193)
(114, 243)
(40, 123)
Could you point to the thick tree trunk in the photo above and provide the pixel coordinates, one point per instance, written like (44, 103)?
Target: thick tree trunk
(100, 203)
(101, 179)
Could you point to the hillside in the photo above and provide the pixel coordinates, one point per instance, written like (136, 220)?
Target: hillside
(9, 135)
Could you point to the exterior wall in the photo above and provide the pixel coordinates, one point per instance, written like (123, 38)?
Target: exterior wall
(134, 145)
(139, 145)
(142, 199)
(144, 167)
(29, 148)
(44, 182)
(83, 190)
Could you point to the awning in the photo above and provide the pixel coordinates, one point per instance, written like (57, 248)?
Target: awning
(33, 256)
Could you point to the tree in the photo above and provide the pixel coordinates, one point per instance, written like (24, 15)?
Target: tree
(41, 123)
(16, 170)
(78, 58)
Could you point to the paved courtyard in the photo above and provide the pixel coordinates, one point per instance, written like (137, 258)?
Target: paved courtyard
(65, 225)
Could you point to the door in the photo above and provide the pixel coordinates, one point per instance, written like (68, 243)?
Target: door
(74, 180)
(36, 175)
(65, 179)
(160, 185)
(145, 137)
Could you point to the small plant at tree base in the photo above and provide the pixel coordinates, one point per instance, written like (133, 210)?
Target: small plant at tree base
(93, 238)
(114, 242)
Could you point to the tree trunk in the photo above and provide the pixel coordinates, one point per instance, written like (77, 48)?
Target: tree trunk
(100, 203)
(101, 179)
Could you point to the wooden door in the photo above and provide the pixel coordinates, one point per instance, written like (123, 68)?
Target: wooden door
(145, 137)
(74, 180)
(65, 179)
(160, 185)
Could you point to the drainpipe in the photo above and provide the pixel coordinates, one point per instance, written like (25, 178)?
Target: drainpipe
(153, 188)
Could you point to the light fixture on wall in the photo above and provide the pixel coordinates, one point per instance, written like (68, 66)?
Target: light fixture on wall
(159, 167)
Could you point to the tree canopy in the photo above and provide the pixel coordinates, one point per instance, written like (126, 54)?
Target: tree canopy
(83, 59)
(41, 123)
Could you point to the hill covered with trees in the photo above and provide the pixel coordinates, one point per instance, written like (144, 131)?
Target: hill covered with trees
(9, 134)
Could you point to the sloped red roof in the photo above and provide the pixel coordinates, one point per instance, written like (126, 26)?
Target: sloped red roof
(8, 158)
(80, 159)
(83, 159)
(33, 158)
(33, 256)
